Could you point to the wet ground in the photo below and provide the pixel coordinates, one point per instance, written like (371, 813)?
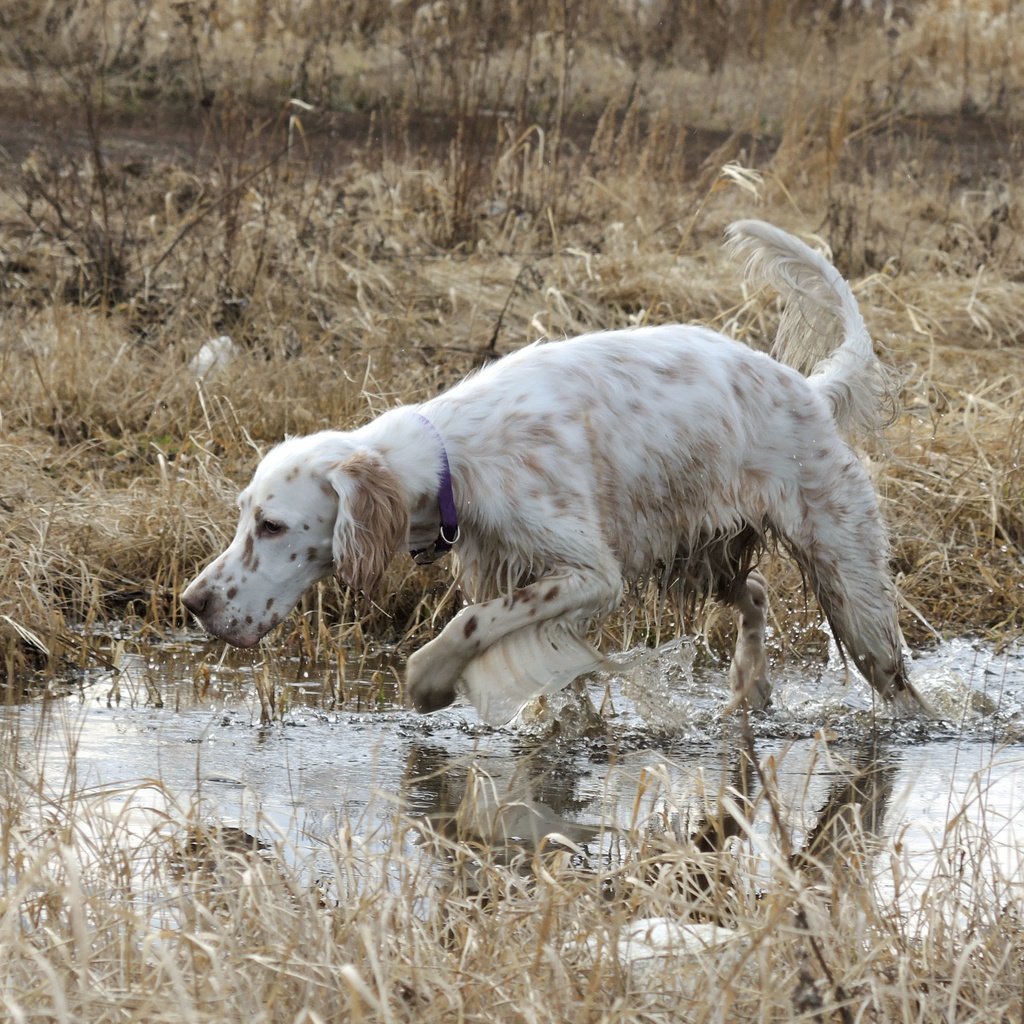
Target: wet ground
(278, 751)
(972, 146)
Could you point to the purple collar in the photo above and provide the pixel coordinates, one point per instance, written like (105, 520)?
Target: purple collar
(448, 533)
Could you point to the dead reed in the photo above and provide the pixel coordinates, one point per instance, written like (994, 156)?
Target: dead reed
(371, 199)
(129, 904)
(371, 212)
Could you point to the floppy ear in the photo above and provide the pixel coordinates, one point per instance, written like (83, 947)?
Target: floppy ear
(372, 521)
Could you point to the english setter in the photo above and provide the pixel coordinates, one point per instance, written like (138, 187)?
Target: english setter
(568, 472)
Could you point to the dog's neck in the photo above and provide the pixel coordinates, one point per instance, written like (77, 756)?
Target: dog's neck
(414, 450)
(448, 529)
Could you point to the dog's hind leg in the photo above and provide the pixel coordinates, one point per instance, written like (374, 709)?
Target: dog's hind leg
(861, 610)
(748, 675)
(837, 536)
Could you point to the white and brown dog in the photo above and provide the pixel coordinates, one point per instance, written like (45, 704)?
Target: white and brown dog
(569, 471)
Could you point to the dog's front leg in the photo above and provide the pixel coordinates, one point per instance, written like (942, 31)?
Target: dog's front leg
(434, 670)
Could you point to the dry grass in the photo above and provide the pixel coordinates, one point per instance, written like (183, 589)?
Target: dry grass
(371, 199)
(372, 209)
(126, 905)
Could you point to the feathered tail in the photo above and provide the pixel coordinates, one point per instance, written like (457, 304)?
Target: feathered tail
(822, 333)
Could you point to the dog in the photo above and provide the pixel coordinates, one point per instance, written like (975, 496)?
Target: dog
(568, 473)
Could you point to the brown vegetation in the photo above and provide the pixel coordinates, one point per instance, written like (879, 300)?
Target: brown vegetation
(371, 199)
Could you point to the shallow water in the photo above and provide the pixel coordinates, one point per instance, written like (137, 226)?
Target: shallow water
(338, 753)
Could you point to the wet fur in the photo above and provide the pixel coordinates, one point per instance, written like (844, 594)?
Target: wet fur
(583, 469)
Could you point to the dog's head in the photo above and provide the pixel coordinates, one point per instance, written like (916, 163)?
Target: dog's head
(315, 505)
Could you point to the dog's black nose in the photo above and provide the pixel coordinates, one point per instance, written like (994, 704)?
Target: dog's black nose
(195, 603)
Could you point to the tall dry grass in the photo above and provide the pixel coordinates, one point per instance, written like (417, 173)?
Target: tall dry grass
(370, 200)
(129, 904)
(373, 208)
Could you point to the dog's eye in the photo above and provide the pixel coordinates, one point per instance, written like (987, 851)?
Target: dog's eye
(269, 527)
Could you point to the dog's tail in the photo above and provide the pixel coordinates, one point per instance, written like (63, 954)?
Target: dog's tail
(822, 333)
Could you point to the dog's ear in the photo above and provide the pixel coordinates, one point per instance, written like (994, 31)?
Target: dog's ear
(372, 521)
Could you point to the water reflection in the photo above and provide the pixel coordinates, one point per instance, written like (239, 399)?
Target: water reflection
(681, 828)
(293, 755)
(852, 818)
(517, 810)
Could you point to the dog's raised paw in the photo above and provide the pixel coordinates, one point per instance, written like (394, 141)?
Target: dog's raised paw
(425, 687)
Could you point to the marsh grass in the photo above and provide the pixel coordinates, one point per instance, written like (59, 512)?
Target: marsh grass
(132, 903)
(372, 200)
(372, 210)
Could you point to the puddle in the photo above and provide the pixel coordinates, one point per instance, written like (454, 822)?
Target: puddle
(176, 728)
